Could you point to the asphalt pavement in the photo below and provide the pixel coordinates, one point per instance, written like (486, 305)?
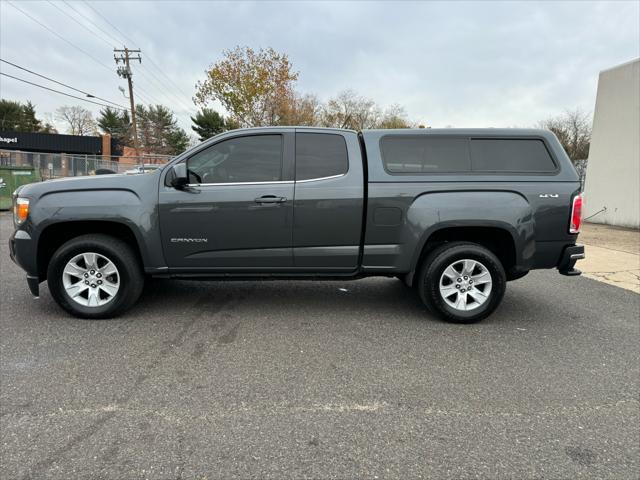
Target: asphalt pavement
(320, 380)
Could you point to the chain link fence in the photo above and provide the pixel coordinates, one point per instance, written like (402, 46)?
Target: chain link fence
(56, 165)
(581, 168)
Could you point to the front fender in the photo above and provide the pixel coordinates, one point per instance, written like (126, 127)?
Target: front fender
(122, 206)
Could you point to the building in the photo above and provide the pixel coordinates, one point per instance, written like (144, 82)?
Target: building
(54, 155)
(612, 188)
(56, 143)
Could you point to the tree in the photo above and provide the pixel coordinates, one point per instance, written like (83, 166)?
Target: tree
(256, 88)
(21, 117)
(177, 141)
(78, 120)
(350, 110)
(573, 129)
(158, 130)
(301, 110)
(114, 122)
(394, 117)
(117, 124)
(208, 123)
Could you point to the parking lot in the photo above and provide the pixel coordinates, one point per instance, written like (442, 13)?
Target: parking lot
(320, 380)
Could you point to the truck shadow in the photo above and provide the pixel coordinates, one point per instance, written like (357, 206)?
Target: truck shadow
(372, 299)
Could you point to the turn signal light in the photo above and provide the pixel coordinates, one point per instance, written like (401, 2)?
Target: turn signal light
(20, 210)
(576, 214)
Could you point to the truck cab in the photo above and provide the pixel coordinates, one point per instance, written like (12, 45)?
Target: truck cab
(265, 201)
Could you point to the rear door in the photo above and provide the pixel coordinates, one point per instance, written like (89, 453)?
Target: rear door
(237, 214)
(328, 206)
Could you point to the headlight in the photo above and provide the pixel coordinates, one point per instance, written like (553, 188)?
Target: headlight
(20, 210)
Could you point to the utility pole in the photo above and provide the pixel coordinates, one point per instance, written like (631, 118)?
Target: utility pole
(124, 71)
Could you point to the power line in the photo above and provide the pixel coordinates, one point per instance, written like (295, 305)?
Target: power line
(112, 25)
(60, 83)
(63, 39)
(60, 37)
(155, 79)
(118, 41)
(167, 77)
(148, 58)
(58, 91)
(161, 88)
(81, 24)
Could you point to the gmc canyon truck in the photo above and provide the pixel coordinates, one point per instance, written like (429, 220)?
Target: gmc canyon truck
(453, 213)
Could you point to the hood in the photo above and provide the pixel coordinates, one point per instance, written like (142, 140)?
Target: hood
(93, 182)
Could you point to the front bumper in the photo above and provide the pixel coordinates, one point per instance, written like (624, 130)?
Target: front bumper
(23, 253)
(570, 256)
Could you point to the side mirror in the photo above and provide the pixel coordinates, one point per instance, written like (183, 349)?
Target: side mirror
(180, 176)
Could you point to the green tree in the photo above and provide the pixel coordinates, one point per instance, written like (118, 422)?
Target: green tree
(255, 87)
(177, 141)
(19, 117)
(208, 123)
(114, 122)
(158, 130)
(117, 124)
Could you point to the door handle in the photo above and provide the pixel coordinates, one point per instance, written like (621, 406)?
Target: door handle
(270, 199)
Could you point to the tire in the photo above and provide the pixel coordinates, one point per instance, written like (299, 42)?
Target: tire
(120, 288)
(479, 299)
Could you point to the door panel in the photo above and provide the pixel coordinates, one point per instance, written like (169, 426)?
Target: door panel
(238, 212)
(327, 209)
(224, 226)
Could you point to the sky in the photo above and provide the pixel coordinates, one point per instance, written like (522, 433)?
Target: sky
(456, 63)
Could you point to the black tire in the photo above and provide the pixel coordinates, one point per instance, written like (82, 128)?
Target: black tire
(436, 263)
(130, 272)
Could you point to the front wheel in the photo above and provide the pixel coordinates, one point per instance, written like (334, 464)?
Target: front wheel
(95, 276)
(462, 282)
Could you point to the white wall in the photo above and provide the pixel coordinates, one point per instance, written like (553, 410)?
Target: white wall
(613, 171)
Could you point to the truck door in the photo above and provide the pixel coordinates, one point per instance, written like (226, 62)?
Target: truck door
(329, 191)
(237, 212)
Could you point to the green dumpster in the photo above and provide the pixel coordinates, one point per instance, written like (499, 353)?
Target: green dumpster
(11, 178)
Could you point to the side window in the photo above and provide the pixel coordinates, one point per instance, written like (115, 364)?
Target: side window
(255, 158)
(320, 155)
(406, 154)
(510, 155)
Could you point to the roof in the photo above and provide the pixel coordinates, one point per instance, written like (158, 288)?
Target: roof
(506, 132)
(495, 132)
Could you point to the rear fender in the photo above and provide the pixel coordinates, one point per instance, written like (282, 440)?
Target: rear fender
(506, 210)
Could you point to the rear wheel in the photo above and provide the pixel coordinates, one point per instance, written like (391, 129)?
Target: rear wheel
(462, 282)
(95, 276)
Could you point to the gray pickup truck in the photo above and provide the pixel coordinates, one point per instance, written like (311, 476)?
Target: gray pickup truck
(453, 213)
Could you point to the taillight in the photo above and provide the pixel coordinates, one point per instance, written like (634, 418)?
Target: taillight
(576, 214)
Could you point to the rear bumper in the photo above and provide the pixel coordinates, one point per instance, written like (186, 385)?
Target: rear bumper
(570, 256)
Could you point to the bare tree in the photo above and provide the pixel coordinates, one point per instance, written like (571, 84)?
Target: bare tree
(78, 120)
(350, 110)
(394, 117)
(573, 129)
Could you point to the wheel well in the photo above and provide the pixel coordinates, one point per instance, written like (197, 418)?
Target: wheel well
(497, 240)
(57, 234)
